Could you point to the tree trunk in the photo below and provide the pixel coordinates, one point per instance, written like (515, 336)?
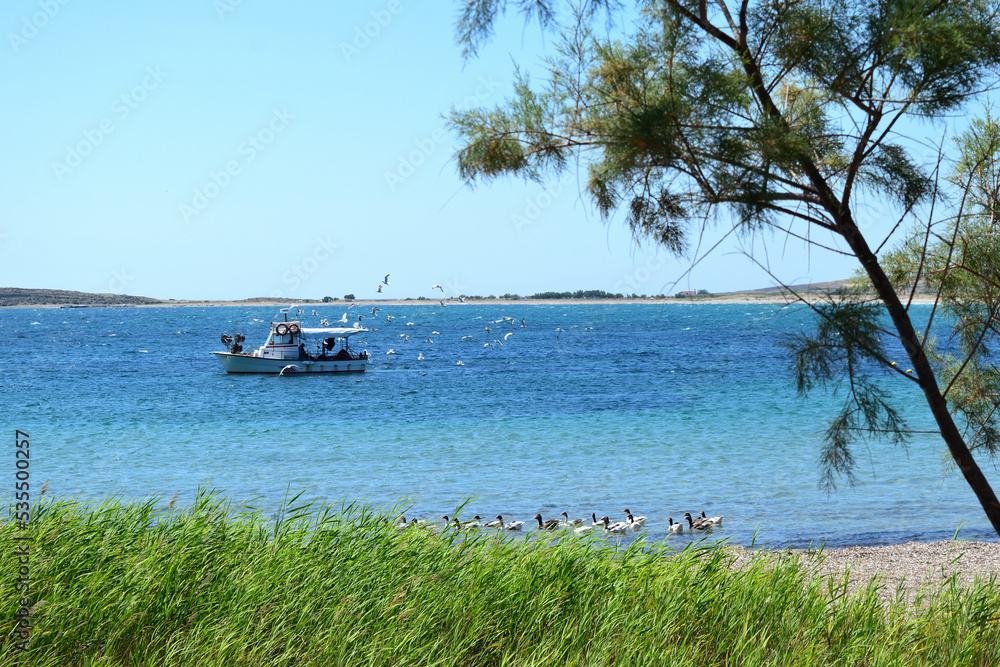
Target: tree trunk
(844, 222)
(925, 375)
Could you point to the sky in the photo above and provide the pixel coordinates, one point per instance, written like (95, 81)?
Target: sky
(226, 149)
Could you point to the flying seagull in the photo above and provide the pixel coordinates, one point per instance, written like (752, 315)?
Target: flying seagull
(385, 281)
(438, 287)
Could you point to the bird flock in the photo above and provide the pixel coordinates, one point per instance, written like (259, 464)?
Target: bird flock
(631, 523)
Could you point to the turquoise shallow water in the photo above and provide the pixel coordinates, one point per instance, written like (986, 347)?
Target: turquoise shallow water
(662, 409)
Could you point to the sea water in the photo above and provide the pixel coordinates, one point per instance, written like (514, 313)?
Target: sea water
(587, 409)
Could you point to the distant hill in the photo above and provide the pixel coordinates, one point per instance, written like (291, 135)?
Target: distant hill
(17, 296)
(829, 286)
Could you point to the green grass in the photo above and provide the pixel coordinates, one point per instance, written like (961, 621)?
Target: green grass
(216, 584)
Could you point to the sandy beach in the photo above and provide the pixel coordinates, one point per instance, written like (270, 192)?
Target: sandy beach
(915, 566)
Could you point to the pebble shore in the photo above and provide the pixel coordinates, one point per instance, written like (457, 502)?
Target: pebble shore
(917, 566)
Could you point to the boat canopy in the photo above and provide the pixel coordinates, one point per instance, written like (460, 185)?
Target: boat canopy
(339, 332)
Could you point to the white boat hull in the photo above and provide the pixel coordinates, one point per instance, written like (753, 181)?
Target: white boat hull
(243, 363)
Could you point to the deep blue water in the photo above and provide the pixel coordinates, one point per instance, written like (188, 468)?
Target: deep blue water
(662, 409)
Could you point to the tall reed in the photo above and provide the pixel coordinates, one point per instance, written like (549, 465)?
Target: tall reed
(220, 584)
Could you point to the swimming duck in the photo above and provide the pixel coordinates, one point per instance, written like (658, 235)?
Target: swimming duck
(711, 520)
(548, 524)
(618, 527)
(675, 527)
(498, 523)
(641, 520)
(570, 522)
(513, 525)
(696, 525)
(632, 523)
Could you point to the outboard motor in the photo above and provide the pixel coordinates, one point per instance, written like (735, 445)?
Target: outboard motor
(233, 344)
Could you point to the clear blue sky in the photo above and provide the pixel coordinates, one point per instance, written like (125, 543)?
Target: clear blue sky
(229, 149)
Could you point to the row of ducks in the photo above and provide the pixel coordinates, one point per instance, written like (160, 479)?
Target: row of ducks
(631, 523)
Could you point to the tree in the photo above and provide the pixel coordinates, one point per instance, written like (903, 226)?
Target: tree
(781, 114)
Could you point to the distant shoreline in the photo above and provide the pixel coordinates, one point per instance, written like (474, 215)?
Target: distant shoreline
(743, 299)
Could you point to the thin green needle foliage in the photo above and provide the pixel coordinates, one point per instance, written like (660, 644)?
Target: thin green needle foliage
(777, 118)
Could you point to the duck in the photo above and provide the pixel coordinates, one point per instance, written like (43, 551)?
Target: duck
(582, 529)
(595, 521)
(570, 522)
(618, 527)
(497, 523)
(474, 524)
(711, 520)
(641, 520)
(548, 524)
(675, 527)
(632, 523)
(696, 525)
(513, 525)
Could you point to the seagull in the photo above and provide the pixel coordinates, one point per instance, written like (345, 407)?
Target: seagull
(360, 317)
(489, 345)
(438, 287)
(392, 351)
(460, 363)
(508, 335)
(461, 299)
(409, 324)
(420, 357)
(428, 340)
(374, 310)
(378, 288)
(290, 368)
(315, 313)
(385, 281)
(487, 329)
(343, 317)
(443, 304)
(467, 337)
(389, 318)
(435, 333)
(559, 331)
(523, 325)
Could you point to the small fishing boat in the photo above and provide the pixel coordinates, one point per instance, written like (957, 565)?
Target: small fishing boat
(293, 348)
